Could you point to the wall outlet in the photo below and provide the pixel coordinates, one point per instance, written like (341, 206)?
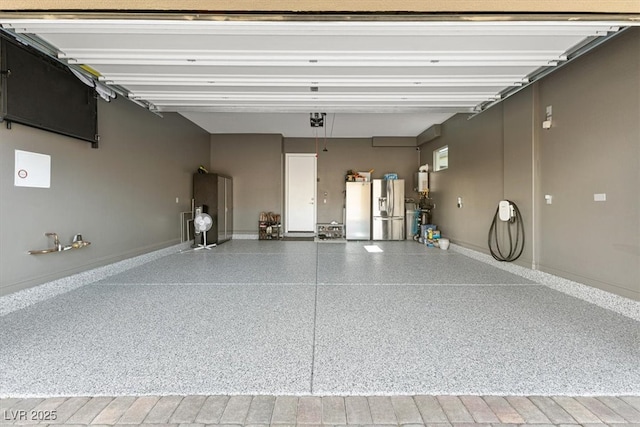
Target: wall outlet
(600, 197)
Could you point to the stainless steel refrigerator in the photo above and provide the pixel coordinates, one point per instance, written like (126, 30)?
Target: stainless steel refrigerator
(387, 209)
(358, 211)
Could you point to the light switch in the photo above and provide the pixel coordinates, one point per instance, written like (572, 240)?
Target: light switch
(600, 197)
(548, 198)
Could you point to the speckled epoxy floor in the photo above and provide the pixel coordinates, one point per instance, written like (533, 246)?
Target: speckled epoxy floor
(303, 318)
(476, 340)
(163, 339)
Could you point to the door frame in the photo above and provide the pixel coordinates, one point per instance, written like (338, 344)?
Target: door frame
(286, 192)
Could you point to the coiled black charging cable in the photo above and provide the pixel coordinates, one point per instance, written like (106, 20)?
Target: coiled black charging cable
(515, 250)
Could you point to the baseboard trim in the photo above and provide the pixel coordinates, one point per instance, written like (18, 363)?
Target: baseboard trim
(605, 286)
(244, 236)
(299, 234)
(625, 306)
(40, 292)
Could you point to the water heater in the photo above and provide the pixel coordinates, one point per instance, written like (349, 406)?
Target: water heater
(421, 182)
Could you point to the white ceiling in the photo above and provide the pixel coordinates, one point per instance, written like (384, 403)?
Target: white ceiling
(337, 125)
(374, 78)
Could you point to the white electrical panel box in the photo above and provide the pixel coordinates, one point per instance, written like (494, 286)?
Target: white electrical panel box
(421, 181)
(32, 169)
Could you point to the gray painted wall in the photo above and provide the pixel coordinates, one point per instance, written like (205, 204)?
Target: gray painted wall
(357, 154)
(518, 133)
(120, 197)
(593, 147)
(475, 174)
(256, 164)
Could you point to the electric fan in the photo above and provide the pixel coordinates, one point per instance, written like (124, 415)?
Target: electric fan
(202, 223)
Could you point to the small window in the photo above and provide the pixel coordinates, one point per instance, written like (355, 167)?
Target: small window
(441, 158)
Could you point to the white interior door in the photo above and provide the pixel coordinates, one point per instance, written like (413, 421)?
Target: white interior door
(300, 192)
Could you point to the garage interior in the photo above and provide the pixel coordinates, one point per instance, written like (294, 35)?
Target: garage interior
(541, 109)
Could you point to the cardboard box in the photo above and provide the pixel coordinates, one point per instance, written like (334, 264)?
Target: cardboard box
(365, 175)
